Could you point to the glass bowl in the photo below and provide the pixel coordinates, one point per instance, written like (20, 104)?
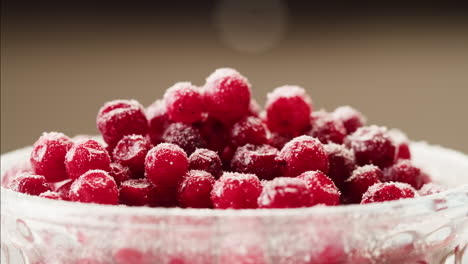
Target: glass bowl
(430, 229)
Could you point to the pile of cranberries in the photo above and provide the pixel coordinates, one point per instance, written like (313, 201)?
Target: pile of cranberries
(213, 147)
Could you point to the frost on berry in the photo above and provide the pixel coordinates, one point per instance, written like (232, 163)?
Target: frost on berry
(137, 192)
(342, 163)
(186, 136)
(227, 95)
(261, 160)
(249, 130)
(401, 142)
(388, 191)
(236, 191)
(131, 152)
(431, 188)
(352, 119)
(303, 154)
(278, 140)
(404, 171)
(48, 155)
(361, 179)
(327, 128)
(372, 145)
(119, 173)
(288, 110)
(322, 189)
(184, 102)
(158, 121)
(63, 188)
(95, 186)
(30, 184)
(214, 133)
(84, 156)
(206, 160)
(166, 164)
(285, 192)
(195, 189)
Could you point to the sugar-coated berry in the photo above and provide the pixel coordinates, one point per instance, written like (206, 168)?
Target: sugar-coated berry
(158, 120)
(184, 135)
(352, 119)
(261, 160)
(131, 152)
(288, 110)
(119, 118)
(404, 171)
(401, 142)
(137, 192)
(249, 130)
(206, 160)
(278, 140)
(388, 191)
(431, 188)
(285, 192)
(361, 179)
(63, 188)
(327, 128)
(184, 102)
(322, 189)
(236, 191)
(30, 184)
(302, 154)
(48, 155)
(214, 133)
(372, 145)
(84, 156)
(11, 173)
(119, 173)
(341, 163)
(51, 195)
(227, 95)
(95, 186)
(166, 164)
(195, 189)
(254, 108)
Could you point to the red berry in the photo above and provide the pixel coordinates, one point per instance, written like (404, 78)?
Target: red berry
(326, 128)
(249, 130)
(64, 189)
(278, 140)
(48, 155)
(322, 188)
(361, 179)
(166, 164)
(284, 192)
(261, 160)
(119, 173)
(214, 132)
(11, 173)
(254, 108)
(288, 110)
(51, 195)
(404, 171)
(158, 121)
(84, 156)
(227, 95)
(430, 188)
(184, 102)
(206, 160)
(388, 191)
(352, 119)
(95, 186)
(119, 118)
(195, 188)
(30, 184)
(236, 190)
(185, 136)
(342, 163)
(226, 157)
(372, 145)
(137, 192)
(302, 154)
(401, 142)
(131, 152)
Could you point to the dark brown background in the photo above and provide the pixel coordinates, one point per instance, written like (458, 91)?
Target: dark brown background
(405, 68)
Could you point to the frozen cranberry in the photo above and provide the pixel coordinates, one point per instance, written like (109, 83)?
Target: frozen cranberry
(227, 95)
(372, 145)
(214, 133)
(401, 142)
(302, 154)
(184, 102)
(48, 155)
(254, 108)
(326, 128)
(249, 130)
(404, 171)
(288, 110)
(206, 160)
(11, 173)
(137, 192)
(352, 119)
(119, 173)
(64, 189)
(261, 160)
(30, 184)
(236, 190)
(131, 152)
(195, 188)
(278, 140)
(361, 179)
(84, 156)
(342, 163)
(51, 195)
(226, 157)
(430, 188)
(119, 118)
(158, 121)
(284, 192)
(322, 188)
(95, 186)
(185, 136)
(388, 191)
(165, 164)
